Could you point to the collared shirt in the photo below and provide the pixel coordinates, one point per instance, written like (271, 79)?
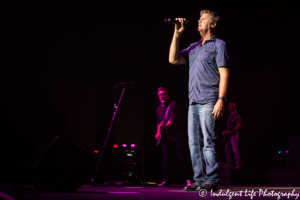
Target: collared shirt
(204, 76)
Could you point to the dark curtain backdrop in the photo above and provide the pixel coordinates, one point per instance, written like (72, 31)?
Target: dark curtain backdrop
(77, 51)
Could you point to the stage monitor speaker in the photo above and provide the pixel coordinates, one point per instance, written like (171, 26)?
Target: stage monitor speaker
(57, 166)
(294, 149)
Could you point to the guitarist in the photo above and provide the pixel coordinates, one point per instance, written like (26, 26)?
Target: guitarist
(170, 137)
(231, 136)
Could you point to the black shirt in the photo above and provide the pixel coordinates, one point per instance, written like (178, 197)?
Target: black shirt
(174, 131)
(232, 121)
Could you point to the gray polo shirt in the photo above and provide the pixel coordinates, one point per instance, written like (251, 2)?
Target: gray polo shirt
(204, 76)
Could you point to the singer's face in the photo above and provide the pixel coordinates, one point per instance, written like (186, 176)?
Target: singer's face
(163, 96)
(204, 23)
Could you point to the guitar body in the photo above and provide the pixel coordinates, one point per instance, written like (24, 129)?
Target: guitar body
(226, 132)
(161, 135)
(225, 135)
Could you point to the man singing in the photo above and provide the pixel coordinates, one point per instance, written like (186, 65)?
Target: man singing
(208, 62)
(170, 136)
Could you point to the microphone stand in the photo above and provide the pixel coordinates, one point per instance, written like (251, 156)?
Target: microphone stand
(111, 123)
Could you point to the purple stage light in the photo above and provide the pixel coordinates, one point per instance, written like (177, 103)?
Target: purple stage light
(124, 192)
(286, 151)
(124, 145)
(133, 145)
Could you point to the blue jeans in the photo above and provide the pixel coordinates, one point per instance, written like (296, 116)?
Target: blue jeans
(232, 141)
(202, 138)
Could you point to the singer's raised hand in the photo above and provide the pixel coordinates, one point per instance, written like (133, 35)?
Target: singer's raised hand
(180, 27)
(175, 57)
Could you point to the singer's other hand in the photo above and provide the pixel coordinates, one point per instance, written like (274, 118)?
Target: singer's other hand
(180, 27)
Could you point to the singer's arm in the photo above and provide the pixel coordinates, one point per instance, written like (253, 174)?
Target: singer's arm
(223, 87)
(175, 57)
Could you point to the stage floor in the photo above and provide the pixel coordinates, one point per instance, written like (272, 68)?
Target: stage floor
(96, 192)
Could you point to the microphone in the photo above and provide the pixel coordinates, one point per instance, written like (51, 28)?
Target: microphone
(126, 83)
(173, 21)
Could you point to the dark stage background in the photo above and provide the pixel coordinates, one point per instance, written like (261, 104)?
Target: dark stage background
(61, 61)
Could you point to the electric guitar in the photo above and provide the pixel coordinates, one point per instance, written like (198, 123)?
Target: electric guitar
(164, 121)
(226, 132)
(159, 131)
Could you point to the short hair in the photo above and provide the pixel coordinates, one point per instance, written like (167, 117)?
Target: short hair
(214, 18)
(234, 105)
(162, 89)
